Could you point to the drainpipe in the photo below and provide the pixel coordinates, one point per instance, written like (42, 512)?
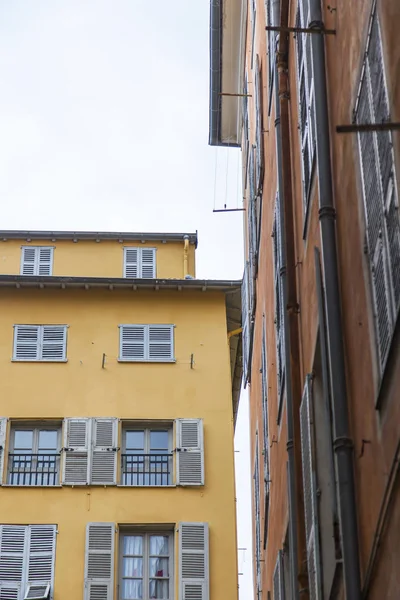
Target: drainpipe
(185, 255)
(343, 445)
(298, 574)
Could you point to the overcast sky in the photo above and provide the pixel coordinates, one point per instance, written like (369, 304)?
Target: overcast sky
(104, 126)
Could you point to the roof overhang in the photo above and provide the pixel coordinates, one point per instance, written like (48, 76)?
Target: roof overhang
(227, 51)
(120, 236)
(231, 289)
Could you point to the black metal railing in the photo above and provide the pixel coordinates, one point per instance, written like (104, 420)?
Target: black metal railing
(33, 469)
(146, 469)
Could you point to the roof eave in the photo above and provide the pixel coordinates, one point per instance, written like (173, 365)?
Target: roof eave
(121, 236)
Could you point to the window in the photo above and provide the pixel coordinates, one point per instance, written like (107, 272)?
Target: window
(27, 554)
(381, 204)
(305, 88)
(140, 263)
(264, 401)
(279, 304)
(147, 456)
(258, 104)
(146, 343)
(257, 518)
(146, 565)
(47, 343)
(34, 457)
(279, 578)
(253, 27)
(271, 43)
(37, 260)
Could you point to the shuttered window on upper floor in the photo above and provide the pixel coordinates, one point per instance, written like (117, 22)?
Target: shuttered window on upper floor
(146, 343)
(247, 323)
(258, 104)
(278, 579)
(271, 44)
(140, 263)
(380, 195)
(264, 408)
(279, 304)
(27, 555)
(46, 343)
(305, 89)
(99, 561)
(193, 561)
(257, 516)
(37, 260)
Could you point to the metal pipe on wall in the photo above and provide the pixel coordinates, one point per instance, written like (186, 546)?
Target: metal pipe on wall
(343, 445)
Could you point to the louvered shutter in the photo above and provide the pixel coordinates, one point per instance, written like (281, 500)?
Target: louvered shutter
(3, 432)
(99, 561)
(310, 492)
(104, 456)
(28, 262)
(53, 342)
(131, 262)
(26, 342)
(132, 342)
(245, 324)
(44, 261)
(259, 126)
(41, 555)
(189, 452)
(12, 548)
(160, 343)
(148, 263)
(278, 581)
(77, 434)
(193, 561)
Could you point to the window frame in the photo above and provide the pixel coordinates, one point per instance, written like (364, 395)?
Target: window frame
(39, 344)
(146, 533)
(139, 261)
(36, 263)
(257, 514)
(146, 343)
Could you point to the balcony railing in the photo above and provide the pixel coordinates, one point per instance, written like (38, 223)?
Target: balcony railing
(146, 469)
(33, 469)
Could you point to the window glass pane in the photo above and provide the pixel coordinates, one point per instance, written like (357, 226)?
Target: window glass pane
(158, 440)
(47, 440)
(158, 589)
(132, 567)
(159, 567)
(133, 545)
(132, 589)
(23, 439)
(134, 440)
(159, 545)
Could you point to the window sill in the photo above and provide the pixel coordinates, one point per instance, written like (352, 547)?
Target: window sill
(19, 360)
(129, 360)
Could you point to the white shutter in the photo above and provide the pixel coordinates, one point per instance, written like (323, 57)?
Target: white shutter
(160, 343)
(12, 548)
(148, 263)
(189, 452)
(193, 561)
(54, 342)
(26, 342)
(104, 457)
(41, 556)
(278, 583)
(99, 561)
(44, 261)
(131, 262)
(132, 342)
(310, 492)
(76, 451)
(3, 432)
(28, 260)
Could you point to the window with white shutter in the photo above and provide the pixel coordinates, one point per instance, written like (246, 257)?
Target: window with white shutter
(381, 204)
(77, 440)
(99, 561)
(140, 263)
(246, 324)
(146, 343)
(3, 434)
(189, 452)
(37, 260)
(27, 555)
(310, 492)
(305, 88)
(258, 92)
(104, 453)
(278, 581)
(147, 457)
(45, 343)
(193, 561)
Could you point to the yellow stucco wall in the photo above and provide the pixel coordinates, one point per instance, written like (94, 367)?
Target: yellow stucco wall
(80, 387)
(88, 258)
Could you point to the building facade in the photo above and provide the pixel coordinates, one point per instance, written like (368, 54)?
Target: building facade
(119, 391)
(310, 92)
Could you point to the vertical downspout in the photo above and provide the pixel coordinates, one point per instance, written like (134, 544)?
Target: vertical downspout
(343, 445)
(288, 282)
(185, 255)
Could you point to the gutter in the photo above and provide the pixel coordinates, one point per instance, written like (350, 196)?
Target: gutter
(343, 444)
(120, 236)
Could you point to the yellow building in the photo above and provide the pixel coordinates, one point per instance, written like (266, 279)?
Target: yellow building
(119, 389)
